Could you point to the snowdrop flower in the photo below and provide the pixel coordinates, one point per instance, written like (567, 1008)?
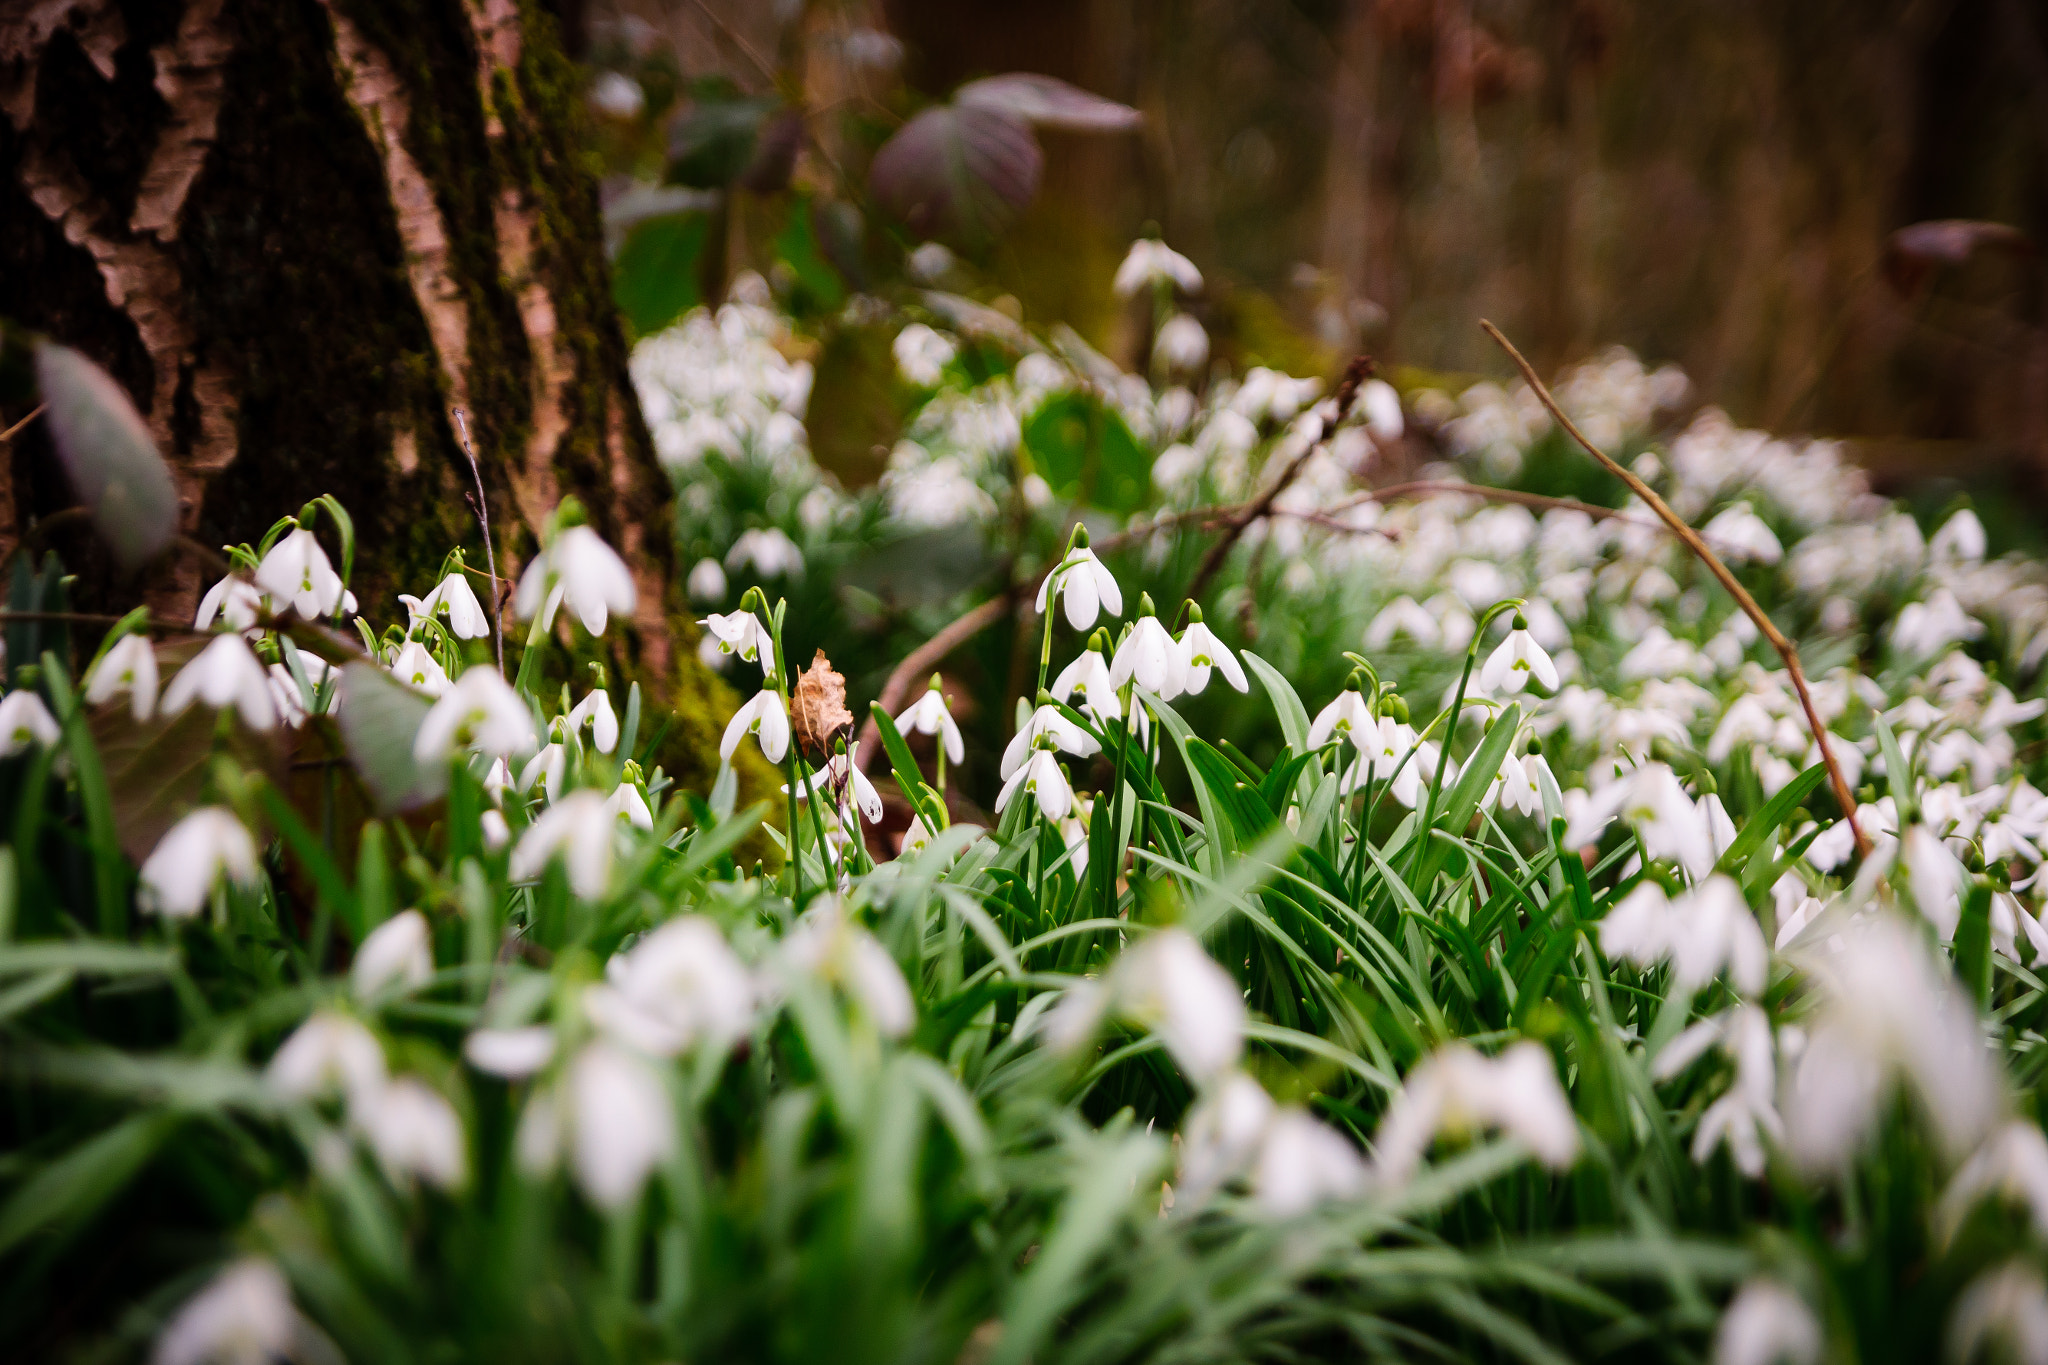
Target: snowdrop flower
(826, 944)
(1201, 651)
(244, 1316)
(1347, 716)
(1167, 983)
(1519, 790)
(496, 830)
(922, 355)
(1402, 616)
(621, 1125)
(512, 1053)
(1384, 754)
(1220, 1137)
(1149, 657)
(129, 666)
(1706, 929)
(1934, 877)
(763, 717)
(706, 582)
(595, 711)
(2006, 1307)
(453, 598)
(189, 861)
(1457, 1090)
(224, 674)
(25, 721)
(415, 1133)
(1888, 1014)
(1181, 346)
(549, 767)
(1150, 262)
(1381, 404)
(234, 600)
(399, 952)
(772, 553)
(1961, 540)
(328, 1054)
(1767, 1324)
(2012, 1167)
(928, 716)
(1741, 536)
(1086, 586)
(1301, 1163)
(679, 985)
(297, 574)
(1927, 628)
(1650, 799)
(578, 568)
(838, 775)
(1745, 1114)
(1087, 678)
(480, 712)
(1042, 778)
(627, 802)
(416, 666)
(1515, 661)
(581, 828)
(1050, 724)
(742, 633)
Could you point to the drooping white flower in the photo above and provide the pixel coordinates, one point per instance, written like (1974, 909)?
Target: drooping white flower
(189, 861)
(678, 986)
(840, 775)
(244, 1316)
(582, 829)
(234, 600)
(620, 1120)
(1085, 584)
(922, 355)
(1704, 930)
(1457, 1090)
(1221, 1136)
(595, 711)
(1381, 404)
(580, 569)
(741, 633)
(1889, 1014)
(1166, 983)
(706, 582)
(2012, 1167)
(328, 1054)
(1303, 1162)
(1515, 661)
(830, 946)
(513, 1053)
(2005, 1309)
(1391, 750)
(764, 717)
(627, 802)
(928, 716)
(1767, 1324)
(25, 721)
(480, 712)
(1347, 716)
(1149, 657)
(224, 674)
(128, 666)
(1151, 261)
(1042, 778)
(1050, 724)
(1182, 347)
(497, 831)
(297, 574)
(415, 1133)
(1650, 799)
(770, 550)
(1961, 539)
(1087, 678)
(1201, 651)
(398, 952)
(1934, 877)
(453, 598)
(549, 767)
(416, 666)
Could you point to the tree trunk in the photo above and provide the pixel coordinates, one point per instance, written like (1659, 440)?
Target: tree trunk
(302, 234)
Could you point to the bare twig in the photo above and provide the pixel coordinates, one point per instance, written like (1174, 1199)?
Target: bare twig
(482, 507)
(15, 430)
(733, 36)
(1355, 374)
(1681, 529)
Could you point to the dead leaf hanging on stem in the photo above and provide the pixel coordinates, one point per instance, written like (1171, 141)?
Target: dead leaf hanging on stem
(818, 711)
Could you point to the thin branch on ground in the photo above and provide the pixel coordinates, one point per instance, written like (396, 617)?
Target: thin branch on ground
(1684, 531)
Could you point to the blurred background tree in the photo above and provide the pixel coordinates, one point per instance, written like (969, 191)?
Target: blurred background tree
(1731, 186)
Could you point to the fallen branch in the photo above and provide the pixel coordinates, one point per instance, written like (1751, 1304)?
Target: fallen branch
(1684, 531)
(15, 430)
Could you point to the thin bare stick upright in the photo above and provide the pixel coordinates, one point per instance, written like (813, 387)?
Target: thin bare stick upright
(1683, 530)
(482, 507)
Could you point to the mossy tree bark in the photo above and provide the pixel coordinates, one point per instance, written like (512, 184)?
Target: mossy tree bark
(302, 233)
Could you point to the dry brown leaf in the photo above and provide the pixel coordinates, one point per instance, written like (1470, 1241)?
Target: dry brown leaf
(818, 711)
